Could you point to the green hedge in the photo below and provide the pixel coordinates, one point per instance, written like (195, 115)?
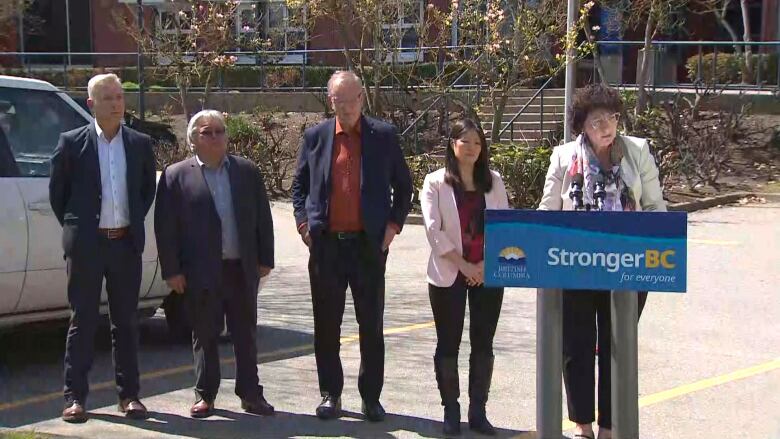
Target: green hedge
(239, 76)
(729, 68)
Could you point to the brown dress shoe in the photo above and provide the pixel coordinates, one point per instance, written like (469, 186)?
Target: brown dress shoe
(74, 413)
(257, 407)
(202, 409)
(133, 409)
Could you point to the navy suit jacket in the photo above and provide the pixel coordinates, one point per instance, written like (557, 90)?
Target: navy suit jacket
(75, 187)
(385, 182)
(189, 231)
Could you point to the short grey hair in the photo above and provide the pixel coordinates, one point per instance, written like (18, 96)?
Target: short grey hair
(340, 76)
(97, 81)
(192, 126)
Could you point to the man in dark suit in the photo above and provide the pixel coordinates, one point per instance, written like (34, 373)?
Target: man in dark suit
(101, 188)
(349, 169)
(215, 239)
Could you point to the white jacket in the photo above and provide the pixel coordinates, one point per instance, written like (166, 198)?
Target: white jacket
(637, 169)
(442, 223)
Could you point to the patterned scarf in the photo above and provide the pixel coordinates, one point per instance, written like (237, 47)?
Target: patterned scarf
(585, 162)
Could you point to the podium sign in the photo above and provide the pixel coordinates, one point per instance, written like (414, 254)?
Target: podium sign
(640, 251)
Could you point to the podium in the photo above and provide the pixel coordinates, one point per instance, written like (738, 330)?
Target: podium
(619, 252)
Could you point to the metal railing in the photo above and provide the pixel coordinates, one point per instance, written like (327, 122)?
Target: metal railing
(59, 68)
(511, 124)
(671, 63)
(443, 96)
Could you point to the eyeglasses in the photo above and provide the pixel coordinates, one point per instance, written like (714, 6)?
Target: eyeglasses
(213, 134)
(605, 121)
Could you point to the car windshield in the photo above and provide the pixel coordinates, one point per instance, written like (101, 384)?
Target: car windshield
(32, 121)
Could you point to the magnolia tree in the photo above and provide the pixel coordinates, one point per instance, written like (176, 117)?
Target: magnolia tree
(522, 43)
(382, 40)
(194, 41)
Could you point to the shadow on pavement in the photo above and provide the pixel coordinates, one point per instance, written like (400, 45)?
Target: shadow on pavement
(226, 424)
(31, 367)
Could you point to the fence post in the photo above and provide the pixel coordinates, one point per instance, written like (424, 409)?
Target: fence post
(699, 66)
(715, 66)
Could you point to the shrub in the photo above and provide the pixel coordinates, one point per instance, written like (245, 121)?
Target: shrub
(728, 68)
(523, 168)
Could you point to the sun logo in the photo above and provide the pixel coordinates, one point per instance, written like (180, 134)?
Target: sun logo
(512, 255)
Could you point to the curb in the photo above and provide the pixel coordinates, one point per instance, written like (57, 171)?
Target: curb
(707, 203)
(688, 206)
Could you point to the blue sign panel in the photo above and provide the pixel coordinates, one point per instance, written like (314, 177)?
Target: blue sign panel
(642, 251)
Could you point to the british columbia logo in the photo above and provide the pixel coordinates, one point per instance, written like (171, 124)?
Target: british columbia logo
(512, 264)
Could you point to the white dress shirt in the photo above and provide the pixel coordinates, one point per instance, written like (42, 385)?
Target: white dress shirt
(115, 206)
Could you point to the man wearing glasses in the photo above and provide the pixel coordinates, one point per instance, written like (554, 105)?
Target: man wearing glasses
(351, 193)
(215, 241)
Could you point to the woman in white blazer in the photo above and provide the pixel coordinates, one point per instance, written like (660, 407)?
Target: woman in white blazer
(453, 202)
(630, 177)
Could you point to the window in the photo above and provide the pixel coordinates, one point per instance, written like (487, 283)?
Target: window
(173, 21)
(285, 27)
(402, 31)
(32, 121)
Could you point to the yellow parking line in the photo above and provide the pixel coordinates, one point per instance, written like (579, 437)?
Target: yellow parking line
(713, 242)
(300, 349)
(707, 383)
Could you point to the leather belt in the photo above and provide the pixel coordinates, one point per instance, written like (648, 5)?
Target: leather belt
(346, 235)
(114, 233)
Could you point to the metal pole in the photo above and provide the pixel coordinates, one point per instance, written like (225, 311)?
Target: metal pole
(549, 302)
(141, 100)
(625, 360)
(67, 28)
(549, 361)
(21, 29)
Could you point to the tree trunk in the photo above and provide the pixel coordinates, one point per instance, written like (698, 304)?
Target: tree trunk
(641, 80)
(747, 72)
(499, 104)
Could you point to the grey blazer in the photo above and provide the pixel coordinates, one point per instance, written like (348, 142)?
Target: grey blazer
(188, 228)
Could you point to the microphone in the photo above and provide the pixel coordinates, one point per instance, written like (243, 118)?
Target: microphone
(600, 194)
(576, 191)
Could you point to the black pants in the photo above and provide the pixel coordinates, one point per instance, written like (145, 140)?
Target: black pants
(208, 309)
(335, 263)
(119, 262)
(586, 319)
(449, 312)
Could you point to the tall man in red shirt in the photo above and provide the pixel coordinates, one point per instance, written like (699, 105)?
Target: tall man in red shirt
(351, 194)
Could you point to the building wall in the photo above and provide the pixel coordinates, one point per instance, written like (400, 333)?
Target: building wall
(107, 33)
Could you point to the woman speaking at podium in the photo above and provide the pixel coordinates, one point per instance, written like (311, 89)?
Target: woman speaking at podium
(600, 170)
(454, 200)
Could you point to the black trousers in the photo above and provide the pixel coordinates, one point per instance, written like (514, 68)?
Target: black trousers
(586, 321)
(449, 311)
(357, 262)
(120, 264)
(208, 309)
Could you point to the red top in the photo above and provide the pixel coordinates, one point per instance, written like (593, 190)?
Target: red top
(471, 209)
(344, 209)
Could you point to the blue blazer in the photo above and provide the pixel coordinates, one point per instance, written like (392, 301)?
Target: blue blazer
(385, 182)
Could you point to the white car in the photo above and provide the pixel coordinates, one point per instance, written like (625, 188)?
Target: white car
(32, 269)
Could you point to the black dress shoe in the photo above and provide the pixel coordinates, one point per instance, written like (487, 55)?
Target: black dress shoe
(257, 407)
(373, 410)
(329, 408)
